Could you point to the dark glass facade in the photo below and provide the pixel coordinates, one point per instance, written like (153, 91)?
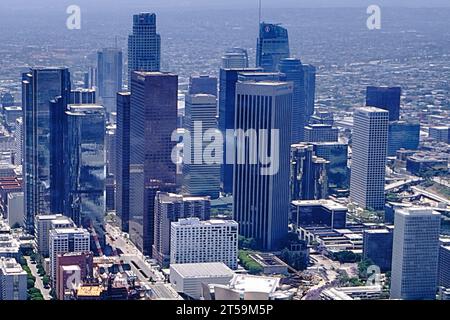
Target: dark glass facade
(153, 119)
(109, 73)
(403, 135)
(85, 167)
(272, 46)
(387, 98)
(123, 159)
(377, 246)
(39, 87)
(337, 155)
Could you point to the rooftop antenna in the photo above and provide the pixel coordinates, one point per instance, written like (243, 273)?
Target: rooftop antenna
(260, 13)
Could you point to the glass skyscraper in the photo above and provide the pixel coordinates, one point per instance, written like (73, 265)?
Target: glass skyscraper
(261, 199)
(123, 159)
(85, 167)
(109, 73)
(387, 98)
(153, 119)
(200, 178)
(39, 87)
(144, 45)
(293, 70)
(272, 46)
(235, 58)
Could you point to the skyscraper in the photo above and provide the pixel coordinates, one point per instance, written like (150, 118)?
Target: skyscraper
(153, 119)
(415, 254)
(85, 167)
(261, 187)
(293, 70)
(272, 46)
(235, 58)
(109, 66)
(144, 45)
(337, 155)
(39, 87)
(203, 84)
(309, 174)
(368, 169)
(310, 90)
(201, 177)
(227, 105)
(387, 98)
(123, 159)
(170, 207)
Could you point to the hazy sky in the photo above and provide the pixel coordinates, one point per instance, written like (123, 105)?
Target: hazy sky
(14, 4)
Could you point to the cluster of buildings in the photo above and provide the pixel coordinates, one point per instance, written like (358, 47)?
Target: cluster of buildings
(160, 160)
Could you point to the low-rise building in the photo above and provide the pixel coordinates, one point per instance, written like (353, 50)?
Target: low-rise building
(13, 280)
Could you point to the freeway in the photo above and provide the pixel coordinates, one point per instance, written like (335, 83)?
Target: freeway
(431, 195)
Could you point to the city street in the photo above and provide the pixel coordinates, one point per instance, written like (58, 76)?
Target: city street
(38, 284)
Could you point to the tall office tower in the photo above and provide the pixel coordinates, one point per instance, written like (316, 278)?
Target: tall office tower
(387, 98)
(169, 208)
(85, 167)
(368, 169)
(195, 241)
(45, 223)
(109, 66)
(321, 133)
(203, 84)
(377, 246)
(83, 96)
(415, 254)
(261, 187)
(153, 119)
(403, 135)
(338, 173)
(309, 72)
(18, 141)
(122, 171)
(13, 280)
(227, 105)
(235, 58)
(272, 46)
(39, 86)
(64, 241)
(444, 263)
(293, 69)
(260, 76)
(144, 45)
(201, 176)
(308, 177)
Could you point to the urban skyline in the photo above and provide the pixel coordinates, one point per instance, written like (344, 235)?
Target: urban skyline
(269, 167)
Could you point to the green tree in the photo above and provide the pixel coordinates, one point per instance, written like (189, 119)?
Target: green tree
(30, 284)
(46, 280)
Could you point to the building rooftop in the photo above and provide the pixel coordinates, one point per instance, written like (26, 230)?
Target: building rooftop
(89, 291)
(202, 270)
(249, 283)
(9, 266)
(329, 204)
